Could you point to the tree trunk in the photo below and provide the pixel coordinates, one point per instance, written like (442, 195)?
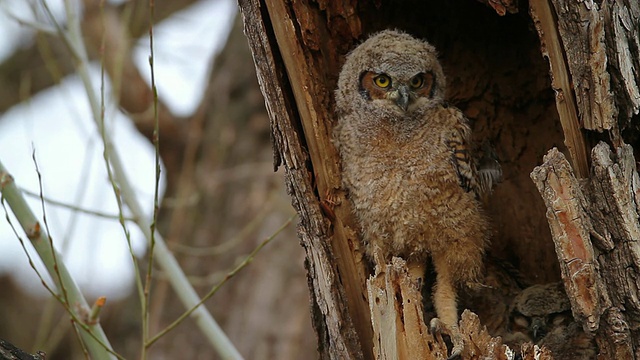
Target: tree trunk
(586, 94)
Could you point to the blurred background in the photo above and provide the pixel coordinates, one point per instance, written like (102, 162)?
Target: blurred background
(220, 195)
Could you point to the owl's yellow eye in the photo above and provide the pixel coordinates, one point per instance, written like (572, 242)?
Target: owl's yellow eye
(382, 81)
(417, 81)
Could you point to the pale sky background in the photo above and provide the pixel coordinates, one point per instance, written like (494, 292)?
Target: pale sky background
(57, 124)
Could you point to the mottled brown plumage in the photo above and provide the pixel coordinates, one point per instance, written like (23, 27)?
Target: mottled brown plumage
(501, 283)
(407, 167)
(542, 314)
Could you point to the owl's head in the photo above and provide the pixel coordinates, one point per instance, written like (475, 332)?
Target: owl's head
(391, 75)
(539, 309)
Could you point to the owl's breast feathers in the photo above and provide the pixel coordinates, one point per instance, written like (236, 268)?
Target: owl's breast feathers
(433, 149)
(420, 175)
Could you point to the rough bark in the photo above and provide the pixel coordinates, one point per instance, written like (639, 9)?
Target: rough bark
(294, 49)
(551, 46)
(9, 352)
(595, 229)
(594, 221)
(332, 288)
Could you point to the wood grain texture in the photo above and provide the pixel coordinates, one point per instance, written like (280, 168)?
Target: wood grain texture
(298, 47)
(595, 229)
(581, 28)
(622, 35)
(614, 211)
(399, 329)
(552, 48)
(571, 228)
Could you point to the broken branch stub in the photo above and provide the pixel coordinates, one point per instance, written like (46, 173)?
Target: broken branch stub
(571, 229)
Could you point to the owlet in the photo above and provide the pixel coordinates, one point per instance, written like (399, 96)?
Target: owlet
(542, 314)
(407, 167)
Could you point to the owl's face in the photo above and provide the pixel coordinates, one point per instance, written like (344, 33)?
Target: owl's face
(401, 89)
(536, 327)
(393, 76)
(539, 309)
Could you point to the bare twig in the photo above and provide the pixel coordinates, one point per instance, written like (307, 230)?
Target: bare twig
(156, 206)
(124, 192)
(74, 207)
(92, 335)
(229, 275)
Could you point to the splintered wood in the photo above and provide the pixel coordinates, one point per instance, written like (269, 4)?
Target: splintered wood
(293, 81)
(396, 315)
(585, 51)
(551, 47)
(400, 331)
(614, 198)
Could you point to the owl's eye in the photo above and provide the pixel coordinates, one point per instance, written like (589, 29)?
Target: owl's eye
(521, 321)
(382, 81)
(417, 81)
(560, 318)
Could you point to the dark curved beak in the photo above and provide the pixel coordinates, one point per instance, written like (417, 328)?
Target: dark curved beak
(402, 99)
(400, 96)
(537, 328)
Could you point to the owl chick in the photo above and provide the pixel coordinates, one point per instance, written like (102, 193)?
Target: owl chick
(407, 168)
(542, 314)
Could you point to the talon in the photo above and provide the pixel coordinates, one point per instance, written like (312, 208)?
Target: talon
(417, 274)
(456, 352)
(437, 326)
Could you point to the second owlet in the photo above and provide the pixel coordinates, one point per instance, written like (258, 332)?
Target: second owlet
(407, 167)
(542, 314)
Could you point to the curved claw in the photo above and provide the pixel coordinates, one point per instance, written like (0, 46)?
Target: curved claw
(437, 326)
(456, 352)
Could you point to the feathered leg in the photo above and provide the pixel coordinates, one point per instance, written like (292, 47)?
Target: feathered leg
(445, 303)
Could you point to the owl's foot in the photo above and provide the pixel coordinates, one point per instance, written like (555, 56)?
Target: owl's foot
(437, 326)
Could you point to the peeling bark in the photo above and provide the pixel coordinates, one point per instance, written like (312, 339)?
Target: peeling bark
(333, 286)
(551, 46)
(581, 27)
(571, 230)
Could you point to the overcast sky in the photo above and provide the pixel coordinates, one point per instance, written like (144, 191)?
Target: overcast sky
(56, 124)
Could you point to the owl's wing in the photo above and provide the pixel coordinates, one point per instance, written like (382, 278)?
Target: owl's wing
(481, 181)
(489, 170)
(458, 141)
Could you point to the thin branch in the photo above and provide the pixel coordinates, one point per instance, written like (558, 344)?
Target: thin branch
(74, 207)
(35, 25)
(248, 259)
(124, 191)
(59, 282)
(156, 206)
(92, 335)
(228, 245)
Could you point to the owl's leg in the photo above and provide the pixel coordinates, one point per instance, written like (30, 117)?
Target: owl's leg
(444, 300)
